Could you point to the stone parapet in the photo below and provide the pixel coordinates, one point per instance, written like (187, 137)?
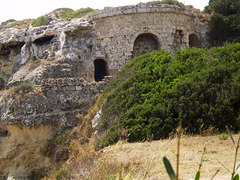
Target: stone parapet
(151, 7)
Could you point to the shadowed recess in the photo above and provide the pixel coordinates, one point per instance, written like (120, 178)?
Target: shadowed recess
(101, 69)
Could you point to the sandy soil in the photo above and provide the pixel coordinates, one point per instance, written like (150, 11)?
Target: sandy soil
(20, 153)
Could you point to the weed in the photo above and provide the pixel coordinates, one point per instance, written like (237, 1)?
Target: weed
(62, 174)
(223, 136)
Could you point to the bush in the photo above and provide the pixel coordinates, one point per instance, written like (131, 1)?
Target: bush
(40, 21)
(154, 91)
(77, 14)
(223, 136)
(224, 22)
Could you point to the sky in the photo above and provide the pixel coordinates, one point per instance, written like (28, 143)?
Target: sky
(24, 9)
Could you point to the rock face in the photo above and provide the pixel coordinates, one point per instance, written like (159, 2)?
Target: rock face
(66, 57)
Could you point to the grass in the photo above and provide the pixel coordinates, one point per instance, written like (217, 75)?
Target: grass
(140, 154)
(223, 136)
(78, 13)
(40, 21)
(142, 161)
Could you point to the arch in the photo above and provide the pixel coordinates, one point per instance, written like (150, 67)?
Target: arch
(101, 69)
(194, 41)
(144, 43)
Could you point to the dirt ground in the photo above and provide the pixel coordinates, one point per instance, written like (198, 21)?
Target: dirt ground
(20, 153)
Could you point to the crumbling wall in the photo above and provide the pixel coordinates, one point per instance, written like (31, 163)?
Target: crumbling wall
(118, 29)
(57, 100)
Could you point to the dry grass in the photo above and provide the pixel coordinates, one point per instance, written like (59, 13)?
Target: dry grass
(145, 159)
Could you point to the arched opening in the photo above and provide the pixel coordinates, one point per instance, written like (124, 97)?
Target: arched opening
(145, 43)
(101, 69)
(194, 41)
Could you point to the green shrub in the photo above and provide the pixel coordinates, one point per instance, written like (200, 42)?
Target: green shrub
(223, 136)
(77, 14)
(40, 21)
(172, 2)
(154, 91)
(224, 22)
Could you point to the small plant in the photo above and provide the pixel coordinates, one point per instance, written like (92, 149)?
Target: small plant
(172, 2)
(223, 136)
(62, 174)
(168, 165)
(35, 59)
(23, 88)
(235, 175)
(40, 21)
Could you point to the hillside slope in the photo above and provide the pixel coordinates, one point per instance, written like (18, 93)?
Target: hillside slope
(156, 90)
(145, 159)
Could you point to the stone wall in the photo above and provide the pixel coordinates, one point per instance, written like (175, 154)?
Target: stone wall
(56, 100)
(144, 43)
(118, 28)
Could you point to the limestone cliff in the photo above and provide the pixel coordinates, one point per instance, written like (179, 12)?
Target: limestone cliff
(51, 73)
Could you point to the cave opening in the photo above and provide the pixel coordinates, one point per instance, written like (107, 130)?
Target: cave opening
(43, 40)
(101, 69)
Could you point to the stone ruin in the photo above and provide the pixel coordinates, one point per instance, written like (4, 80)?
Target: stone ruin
(69, 62)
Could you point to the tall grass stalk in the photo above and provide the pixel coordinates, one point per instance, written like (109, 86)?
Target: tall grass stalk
(179, 132)
(200, 165)
(215, 173)
(121, 172)
(235, 159)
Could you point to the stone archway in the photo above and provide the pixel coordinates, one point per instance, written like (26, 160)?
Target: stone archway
(145, 43)
(101, 69)
(194, 41)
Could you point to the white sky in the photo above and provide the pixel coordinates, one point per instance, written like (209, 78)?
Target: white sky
(23, 9)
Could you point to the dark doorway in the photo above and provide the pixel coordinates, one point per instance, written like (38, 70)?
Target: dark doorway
(101, 69)
(194, 41)
(145, 43)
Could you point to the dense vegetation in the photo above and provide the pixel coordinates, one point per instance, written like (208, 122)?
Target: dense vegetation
(40, 21)
(69, 13)
(64, 13)
(154, 91)
(225, 21)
